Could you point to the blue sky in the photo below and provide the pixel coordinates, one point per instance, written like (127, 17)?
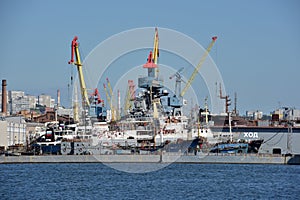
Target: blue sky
(257, 51)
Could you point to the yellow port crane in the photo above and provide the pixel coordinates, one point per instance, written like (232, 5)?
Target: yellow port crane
(152, 59)
(191, 79)
(127, 105)
(155, 54)
(112, 100)
(130, 95)
(106, 93)
(109, 99)
(75, 51)
(110, 89)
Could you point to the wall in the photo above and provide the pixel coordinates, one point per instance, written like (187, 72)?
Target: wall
(3, 134)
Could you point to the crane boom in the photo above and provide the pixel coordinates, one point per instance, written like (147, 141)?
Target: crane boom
(152, 59)
(75, 51)
(130, 95)
(127, 101)
(112, 107)
(155, 53)
(188, 84)
(106, 93)
(110, 88)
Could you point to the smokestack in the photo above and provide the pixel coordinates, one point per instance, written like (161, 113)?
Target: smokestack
(4, 97)
(119, 103)
(58, 98)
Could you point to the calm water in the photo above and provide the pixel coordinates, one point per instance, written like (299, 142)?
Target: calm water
(180, 181)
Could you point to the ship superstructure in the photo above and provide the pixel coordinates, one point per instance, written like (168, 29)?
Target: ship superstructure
(155, 118)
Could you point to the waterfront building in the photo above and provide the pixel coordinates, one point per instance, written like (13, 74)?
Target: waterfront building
(286, 113)
(12, 132)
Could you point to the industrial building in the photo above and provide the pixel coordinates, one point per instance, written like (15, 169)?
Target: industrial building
(286, 113)
(17, 101)
(12, 132)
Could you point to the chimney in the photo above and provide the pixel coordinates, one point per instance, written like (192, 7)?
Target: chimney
(4, 97)
(58, 98)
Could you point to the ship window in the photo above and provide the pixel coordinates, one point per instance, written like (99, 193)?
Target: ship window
(276, 151)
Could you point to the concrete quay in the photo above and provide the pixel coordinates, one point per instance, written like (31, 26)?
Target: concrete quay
(165, 158)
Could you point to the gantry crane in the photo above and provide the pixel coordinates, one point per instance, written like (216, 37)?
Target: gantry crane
(83, 89)
(191, 79)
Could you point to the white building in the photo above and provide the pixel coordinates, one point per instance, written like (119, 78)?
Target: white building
(12, 131)
(17, 101)
(64, 111)
(254, 114)
(3, 133)
(32, 101)
(286, 113)
(46, 100)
